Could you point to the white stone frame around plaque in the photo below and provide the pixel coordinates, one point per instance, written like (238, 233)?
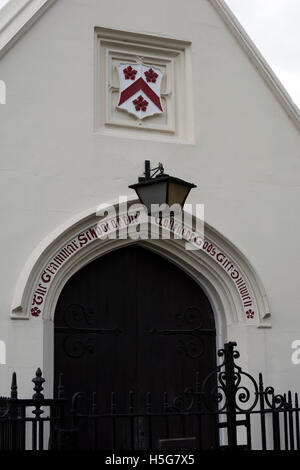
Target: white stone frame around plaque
(172, 57)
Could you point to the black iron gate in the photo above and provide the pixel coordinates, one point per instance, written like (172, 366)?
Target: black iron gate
(245, 415)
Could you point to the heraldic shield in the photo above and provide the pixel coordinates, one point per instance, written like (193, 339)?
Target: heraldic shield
(140, 89)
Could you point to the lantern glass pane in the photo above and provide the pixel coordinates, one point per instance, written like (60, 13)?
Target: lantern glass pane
(177, 193)
(153, 194)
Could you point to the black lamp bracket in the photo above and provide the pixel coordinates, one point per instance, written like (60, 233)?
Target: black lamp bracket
(148, 170)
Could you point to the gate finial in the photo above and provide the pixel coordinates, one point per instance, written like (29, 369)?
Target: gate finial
(14, 387)
(38, 381)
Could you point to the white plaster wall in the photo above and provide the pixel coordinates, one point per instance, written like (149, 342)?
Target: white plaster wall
(245, 160)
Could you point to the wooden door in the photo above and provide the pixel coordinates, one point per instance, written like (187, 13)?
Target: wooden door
(133, 322)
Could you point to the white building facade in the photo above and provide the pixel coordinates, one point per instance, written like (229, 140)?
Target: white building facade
(68, 147)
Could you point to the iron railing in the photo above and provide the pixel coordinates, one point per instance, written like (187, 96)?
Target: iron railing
(228, 410)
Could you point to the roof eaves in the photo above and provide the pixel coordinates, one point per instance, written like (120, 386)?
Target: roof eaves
(16, 17)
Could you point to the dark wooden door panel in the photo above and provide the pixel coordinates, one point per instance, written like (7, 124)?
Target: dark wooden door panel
(173, 313)
(133, 321)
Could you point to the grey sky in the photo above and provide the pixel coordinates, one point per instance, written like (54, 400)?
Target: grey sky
(273, 25)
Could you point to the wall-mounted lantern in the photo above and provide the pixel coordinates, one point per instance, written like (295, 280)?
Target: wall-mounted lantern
(162, 189)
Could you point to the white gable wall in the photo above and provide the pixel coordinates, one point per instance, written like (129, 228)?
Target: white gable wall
(245, 158)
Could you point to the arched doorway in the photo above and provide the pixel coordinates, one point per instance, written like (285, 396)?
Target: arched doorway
(46, 274)
(131, 321)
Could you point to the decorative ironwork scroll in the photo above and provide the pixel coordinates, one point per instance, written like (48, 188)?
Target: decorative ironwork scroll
(79, 327)
(193, 346)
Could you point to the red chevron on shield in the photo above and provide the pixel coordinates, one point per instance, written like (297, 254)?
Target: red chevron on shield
(140, 89)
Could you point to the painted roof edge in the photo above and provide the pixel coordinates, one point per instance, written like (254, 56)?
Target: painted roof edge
(16, 17)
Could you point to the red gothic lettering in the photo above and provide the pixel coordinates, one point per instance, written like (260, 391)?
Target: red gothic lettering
(241, 286)
(45, 277)
(220, 257)
(42, 287)
(71, 248)
(39, 291)
(244, 291)
(54, 266)
(37, 300)
(63, 255)
(59, 259)
(82, 240)
(114, 223)
(188, 234)
(235, 274)
(65, 252)
(98, 231)
(93, 233)
(198, 241)
(105, 227)
(88, 235)
(49, 270)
